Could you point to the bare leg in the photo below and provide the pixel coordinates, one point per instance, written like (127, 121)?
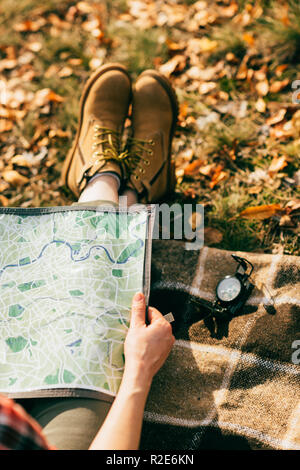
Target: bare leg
(105, 187)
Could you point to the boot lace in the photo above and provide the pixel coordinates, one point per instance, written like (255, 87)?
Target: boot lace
(139, 151)
(106, 144)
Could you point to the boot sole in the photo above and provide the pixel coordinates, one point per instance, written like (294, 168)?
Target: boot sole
(89, 83)
(164, 82)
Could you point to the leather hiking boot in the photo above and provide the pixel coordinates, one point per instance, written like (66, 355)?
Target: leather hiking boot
(103, 109)
(154, 118)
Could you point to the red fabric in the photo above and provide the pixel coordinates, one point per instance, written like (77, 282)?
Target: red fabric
(18, 431)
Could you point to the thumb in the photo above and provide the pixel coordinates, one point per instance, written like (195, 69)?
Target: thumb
(138, 310)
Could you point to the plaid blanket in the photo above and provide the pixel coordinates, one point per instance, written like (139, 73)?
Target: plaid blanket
(237, 388)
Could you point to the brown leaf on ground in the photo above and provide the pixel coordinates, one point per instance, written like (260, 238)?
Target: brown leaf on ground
(177, 63)
(277, 86)
(262, 87)
(5, 125)
(277, 164)
(261, 212)
(229, 10)
(260, 105)
(4, 201)
(183, 111)
(175, 46)
(280, 69)
(218, 176)
(286, 221)
(276, 118)
(206, 87)
(282, 131)
(45, 96)
(293, 206)
(249, 39)
(14, 178)
(30, 25)
(193, 168)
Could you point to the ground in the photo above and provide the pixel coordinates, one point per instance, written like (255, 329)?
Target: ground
(233, 65)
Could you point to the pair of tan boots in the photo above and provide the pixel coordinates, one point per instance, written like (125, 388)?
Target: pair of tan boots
(145, 163)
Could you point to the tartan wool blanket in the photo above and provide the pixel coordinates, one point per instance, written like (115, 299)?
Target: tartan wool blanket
(237, 388)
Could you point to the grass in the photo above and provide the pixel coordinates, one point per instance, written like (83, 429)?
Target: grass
(280, 31)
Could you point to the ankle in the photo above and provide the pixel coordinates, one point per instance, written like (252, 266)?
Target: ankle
(102, 186)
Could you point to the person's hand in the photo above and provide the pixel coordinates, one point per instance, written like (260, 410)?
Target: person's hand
(146, 346)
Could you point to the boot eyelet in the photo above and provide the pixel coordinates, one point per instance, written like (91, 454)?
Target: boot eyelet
(136, 177)
(147, 162)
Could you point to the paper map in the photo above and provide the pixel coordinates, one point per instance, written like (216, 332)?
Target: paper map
(67, 280)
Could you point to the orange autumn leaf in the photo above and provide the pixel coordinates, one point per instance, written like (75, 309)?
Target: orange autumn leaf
(262, 87)
(218, 175)
(280, 69)
(54, 97)
(261, 212)
(178, 62)
(260, 105)
(248, 38)
(278, 85)
(4, 201)
(5, 125)
(183, 110)
(29, 25)
(175, 46)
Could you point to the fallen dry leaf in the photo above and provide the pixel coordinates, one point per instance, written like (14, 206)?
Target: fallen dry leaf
(280, 69)
(276, 118)
(230, 10)
(286, 221)
(21, 160)
(277, 86)
(261, 212)
(293, 206)
(183, 111)
(277, 164)
(249, 39)
(30, 25)
(262, 87)
(193, 168)
(206, 87)
(4, 201)
(5, 125)
(207, 45)
(217, 176)
(207, 170)
(260, 105)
